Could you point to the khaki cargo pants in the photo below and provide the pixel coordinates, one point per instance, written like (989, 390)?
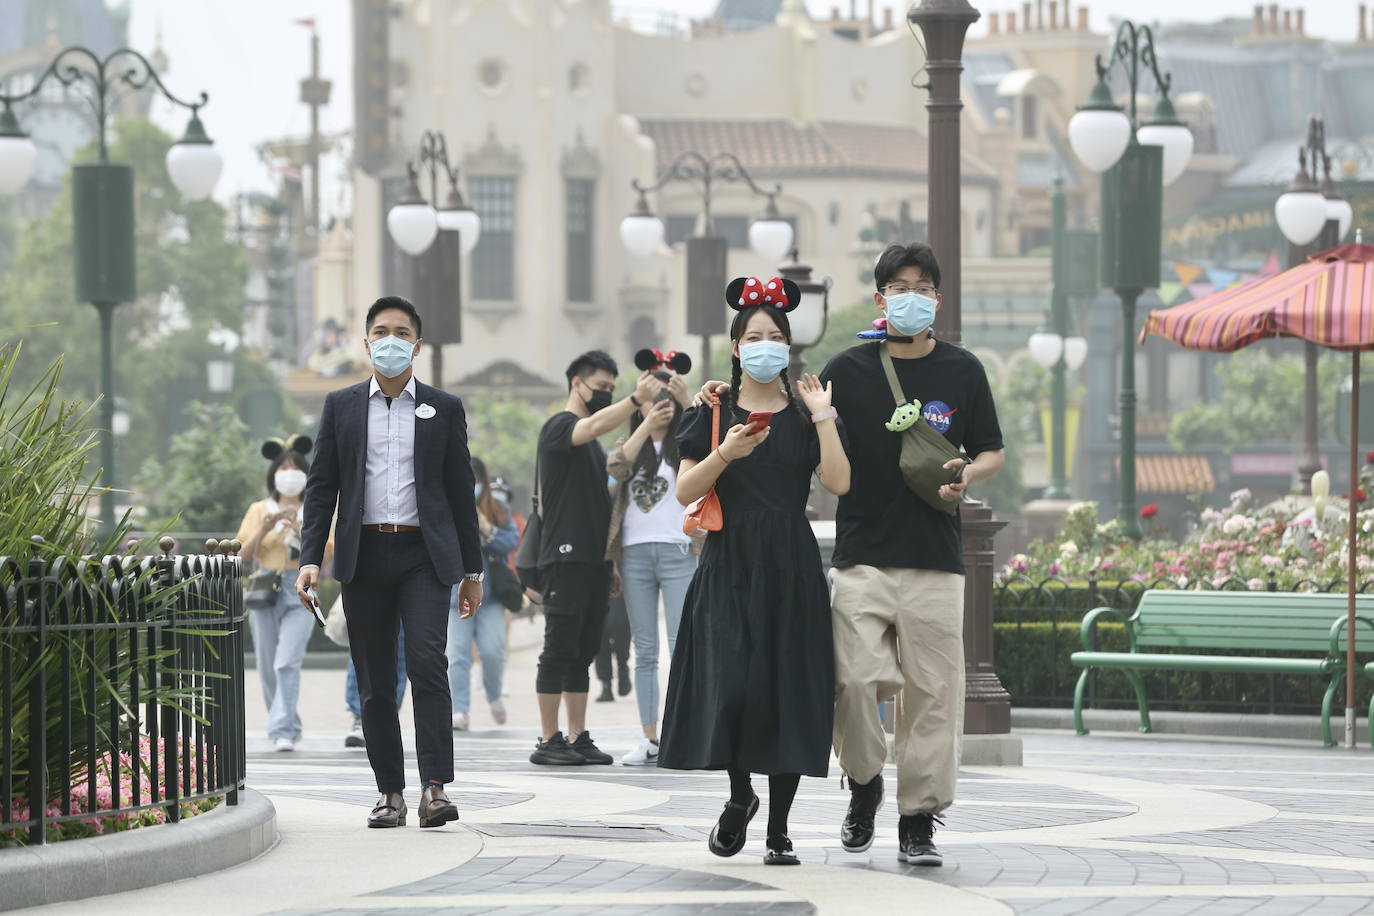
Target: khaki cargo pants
(900, 632)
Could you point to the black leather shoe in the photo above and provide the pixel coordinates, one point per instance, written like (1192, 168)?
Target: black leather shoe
(729, 834)
(607, 694)
(589, 751)
(435, 808)
(390, 811)
(780, 852)
(856, 833)
(623, 679)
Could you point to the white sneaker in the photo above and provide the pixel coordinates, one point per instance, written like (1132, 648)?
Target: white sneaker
(460, 721)
(498, 712)
(644, 754)
(285, 744)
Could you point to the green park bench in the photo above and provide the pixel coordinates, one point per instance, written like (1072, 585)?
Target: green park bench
(1369, 722)
(1199, 620)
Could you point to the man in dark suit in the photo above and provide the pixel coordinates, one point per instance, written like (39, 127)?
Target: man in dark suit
(392, 454)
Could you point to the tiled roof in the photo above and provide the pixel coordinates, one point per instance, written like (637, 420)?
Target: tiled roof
(776, 147)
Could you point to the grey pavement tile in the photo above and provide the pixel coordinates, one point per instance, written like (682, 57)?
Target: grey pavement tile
(1303, 837)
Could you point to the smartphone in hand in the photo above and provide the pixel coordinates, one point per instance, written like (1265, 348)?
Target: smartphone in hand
(315, 607)
(758, 421)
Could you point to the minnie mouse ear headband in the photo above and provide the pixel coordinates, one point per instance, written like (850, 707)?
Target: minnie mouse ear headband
(747, 292)
(648, 360)
(299, 444)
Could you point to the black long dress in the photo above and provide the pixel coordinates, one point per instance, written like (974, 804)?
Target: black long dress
(753, 675)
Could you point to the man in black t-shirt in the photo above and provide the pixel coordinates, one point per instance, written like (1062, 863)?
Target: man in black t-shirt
(897, 589)
(575, 513)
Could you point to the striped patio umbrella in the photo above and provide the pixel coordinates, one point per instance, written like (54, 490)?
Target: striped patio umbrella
(1328, 301)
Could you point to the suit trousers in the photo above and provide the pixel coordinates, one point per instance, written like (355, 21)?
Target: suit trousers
(395, 583)
(900, 632)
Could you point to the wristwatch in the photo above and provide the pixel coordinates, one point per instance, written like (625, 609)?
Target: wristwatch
(475, 577)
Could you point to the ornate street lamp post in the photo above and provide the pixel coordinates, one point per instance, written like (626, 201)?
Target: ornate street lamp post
(809, 320)
(436, 236)
(1136, 161)
(770, 236)
(1312, 218)
(103, 202)
(1056, 350)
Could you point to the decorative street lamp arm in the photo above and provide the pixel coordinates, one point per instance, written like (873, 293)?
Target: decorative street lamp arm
(1134, 45)
(102, 79)
(434, 153)
(691, 166)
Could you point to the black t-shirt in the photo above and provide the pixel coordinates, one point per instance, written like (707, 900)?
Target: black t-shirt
(575, 503)
(880, 522)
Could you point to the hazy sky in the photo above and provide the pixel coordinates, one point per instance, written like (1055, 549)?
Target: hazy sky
(249, 56)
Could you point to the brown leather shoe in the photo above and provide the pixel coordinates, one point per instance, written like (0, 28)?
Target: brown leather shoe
(435, 808)
(390, 811)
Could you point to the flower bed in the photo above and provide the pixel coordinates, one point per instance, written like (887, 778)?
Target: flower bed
(100, 822)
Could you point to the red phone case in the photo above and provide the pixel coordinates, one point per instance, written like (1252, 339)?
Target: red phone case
(759, 420)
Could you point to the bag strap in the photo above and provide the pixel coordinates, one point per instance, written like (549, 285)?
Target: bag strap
(891, 372)
(535, 499)
(715, 423)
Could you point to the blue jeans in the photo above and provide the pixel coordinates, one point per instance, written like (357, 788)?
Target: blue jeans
(648, 570)
(351, 697)
(280, 635)
(488, 629)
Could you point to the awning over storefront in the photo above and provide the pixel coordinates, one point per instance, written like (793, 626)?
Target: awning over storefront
(1165, 474)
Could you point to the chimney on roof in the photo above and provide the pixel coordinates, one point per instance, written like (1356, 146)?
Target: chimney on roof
(994, 23)
(1011, 24)
(1054, 14)
(1257, 23)
(887, 18)
(1026, 24)
(1288, 22)
(1302, 21)
(1040, 15)
(1273, 19)
(1082, 19)
(1364, 35)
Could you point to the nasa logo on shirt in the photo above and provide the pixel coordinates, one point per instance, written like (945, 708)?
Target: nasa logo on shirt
(937, 414)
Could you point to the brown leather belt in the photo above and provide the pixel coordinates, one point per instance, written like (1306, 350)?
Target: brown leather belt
(391, 529)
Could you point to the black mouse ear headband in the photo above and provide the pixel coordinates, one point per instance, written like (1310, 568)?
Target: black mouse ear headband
(747, 292)
(297, 443)
(648, 360)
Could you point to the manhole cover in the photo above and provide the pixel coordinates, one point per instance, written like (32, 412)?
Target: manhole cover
(578, 831)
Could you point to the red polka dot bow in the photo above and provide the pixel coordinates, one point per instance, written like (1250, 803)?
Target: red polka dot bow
(756, 292)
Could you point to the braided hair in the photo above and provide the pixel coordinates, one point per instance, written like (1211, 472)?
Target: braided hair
(737, 327)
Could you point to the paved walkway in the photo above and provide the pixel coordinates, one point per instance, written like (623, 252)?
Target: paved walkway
(1105, 824)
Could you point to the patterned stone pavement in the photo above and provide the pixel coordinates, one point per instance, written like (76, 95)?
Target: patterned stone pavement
(1105, 824)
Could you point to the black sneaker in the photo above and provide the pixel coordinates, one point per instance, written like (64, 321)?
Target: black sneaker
(589, 751)
(916, 836)
(856, 833)
(607, 694)
(556, 752)
(623, 682)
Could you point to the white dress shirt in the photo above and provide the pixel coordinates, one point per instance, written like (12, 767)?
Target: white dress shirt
(389, 482)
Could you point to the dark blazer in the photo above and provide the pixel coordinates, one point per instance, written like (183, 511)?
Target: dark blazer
(443, 484)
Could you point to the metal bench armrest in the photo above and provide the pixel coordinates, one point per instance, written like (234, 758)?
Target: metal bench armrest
(1338, 630)
(1085, 630)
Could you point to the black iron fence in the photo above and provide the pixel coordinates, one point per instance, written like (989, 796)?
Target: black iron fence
(1037, 627)
(121, 690)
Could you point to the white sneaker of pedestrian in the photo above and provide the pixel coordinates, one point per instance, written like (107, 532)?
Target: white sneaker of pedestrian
(460, 721)
(644, 754)
(498, 712)
(355, 734)
(285, 744)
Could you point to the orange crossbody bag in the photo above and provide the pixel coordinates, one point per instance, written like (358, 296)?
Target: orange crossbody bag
(704, 515)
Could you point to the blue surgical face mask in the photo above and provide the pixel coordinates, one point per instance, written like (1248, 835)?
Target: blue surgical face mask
(910, 313)
(765, 359)
(391, 355)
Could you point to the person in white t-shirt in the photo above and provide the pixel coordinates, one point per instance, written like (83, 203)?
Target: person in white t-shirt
(656, 559)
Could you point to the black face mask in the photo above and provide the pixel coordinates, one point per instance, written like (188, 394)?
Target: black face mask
(599, 400)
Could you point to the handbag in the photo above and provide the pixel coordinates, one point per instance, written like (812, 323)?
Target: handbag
(527, 555)
(503, 584)
(336, 625)
(261, 590)
(704, 515)
(924, 451)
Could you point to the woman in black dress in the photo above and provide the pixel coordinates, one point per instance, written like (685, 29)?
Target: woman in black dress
(751, 688)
